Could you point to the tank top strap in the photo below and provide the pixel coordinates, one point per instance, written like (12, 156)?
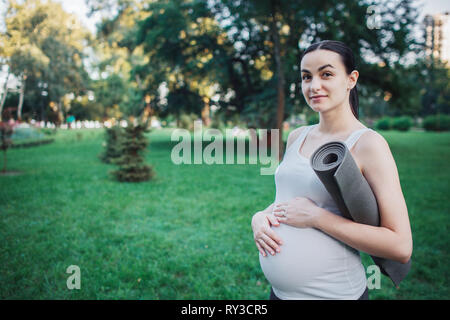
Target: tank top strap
(351, 140)
(302, 136)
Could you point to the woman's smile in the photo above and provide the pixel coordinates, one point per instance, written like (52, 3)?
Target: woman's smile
(318, 98)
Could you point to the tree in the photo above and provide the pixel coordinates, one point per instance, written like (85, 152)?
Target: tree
(5, 139)
(118, 56)
(243, 56)
(132, 167)
(113, 144)
(45, 44)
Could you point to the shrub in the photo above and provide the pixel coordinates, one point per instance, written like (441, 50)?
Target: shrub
(402, 123)
(26, 133)
(186, 121)
(313, 119)
(131, 162)
(112, 142)
(438, 122)
(383, 123)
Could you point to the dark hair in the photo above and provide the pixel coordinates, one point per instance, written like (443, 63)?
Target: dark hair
(349, 62)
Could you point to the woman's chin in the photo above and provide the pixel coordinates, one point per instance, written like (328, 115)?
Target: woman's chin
(318, 107)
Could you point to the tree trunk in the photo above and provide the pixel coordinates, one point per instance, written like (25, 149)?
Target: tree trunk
(205, 113)
(5, 92)
(280, 77)
(4, 161)
(22, 94)
(60, 113)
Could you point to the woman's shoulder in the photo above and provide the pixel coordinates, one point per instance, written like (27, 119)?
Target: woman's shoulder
(293, 135)
(371, 145)
(371, 140)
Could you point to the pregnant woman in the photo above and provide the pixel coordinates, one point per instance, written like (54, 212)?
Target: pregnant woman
(307, 249)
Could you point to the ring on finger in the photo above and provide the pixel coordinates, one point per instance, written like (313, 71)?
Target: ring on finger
(282, 213)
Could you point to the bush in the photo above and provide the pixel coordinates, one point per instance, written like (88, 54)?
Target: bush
(438, 122)
(26, 132)
(48, 131)
(402, 123)
(217, 122)
(313, 119)
(131, 162)
(187, 121)
(383, 123)
(112, 143)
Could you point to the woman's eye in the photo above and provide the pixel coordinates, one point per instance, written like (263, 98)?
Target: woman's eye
(304, 77)
(327, 74)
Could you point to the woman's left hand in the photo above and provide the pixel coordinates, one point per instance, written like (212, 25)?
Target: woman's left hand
(299, 212)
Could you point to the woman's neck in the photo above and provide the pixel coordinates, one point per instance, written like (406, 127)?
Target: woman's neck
(337, 121)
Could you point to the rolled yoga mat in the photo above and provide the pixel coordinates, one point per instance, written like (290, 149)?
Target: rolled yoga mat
(336, 168)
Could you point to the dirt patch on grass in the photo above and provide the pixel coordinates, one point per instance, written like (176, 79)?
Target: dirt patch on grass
(11, 173)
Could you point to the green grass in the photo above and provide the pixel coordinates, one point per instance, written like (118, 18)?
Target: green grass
(186, 234)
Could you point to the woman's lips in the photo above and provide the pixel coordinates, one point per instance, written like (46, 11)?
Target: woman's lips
(317, 98)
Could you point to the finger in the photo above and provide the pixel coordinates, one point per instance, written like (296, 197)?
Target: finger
(280, 207)
(273, 220)
(261, 250)
(266, 246)
(271, 242)
(282, 219)
(273, 235)
(281, 204)
(280, 214)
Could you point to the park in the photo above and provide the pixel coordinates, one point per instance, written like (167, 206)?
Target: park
(135, 154)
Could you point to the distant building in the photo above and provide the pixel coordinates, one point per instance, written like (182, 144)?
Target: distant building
(437, 36)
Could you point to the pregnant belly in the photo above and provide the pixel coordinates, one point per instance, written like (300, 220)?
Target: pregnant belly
(306, 255)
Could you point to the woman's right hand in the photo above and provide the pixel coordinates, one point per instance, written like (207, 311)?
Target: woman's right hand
(265, 238)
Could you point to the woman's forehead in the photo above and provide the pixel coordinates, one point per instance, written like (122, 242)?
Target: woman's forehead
(315, 59)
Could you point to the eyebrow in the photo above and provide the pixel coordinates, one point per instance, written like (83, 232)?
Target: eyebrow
(320, 68)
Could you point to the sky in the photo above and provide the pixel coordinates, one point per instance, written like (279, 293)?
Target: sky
(79, 8)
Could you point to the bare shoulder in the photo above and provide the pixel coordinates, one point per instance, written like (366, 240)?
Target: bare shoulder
(293, 135)
(374, 153)
(380, 170)
(371, 142)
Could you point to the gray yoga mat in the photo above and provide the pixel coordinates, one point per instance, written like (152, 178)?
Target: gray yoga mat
(336, 168)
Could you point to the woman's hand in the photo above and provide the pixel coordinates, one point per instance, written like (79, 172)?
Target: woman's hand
(265, 238)
(299, 212)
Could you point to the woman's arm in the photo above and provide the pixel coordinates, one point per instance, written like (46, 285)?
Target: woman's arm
(392, 239)
(265, 238)
(377, 241)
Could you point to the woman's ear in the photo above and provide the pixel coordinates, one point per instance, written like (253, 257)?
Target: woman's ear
(353, 78)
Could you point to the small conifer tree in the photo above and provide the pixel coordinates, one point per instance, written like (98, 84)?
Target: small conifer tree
(113, 136)
(132, 166)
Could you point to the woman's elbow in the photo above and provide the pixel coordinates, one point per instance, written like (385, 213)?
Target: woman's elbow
(405, 252)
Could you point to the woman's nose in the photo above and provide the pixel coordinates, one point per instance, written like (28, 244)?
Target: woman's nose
(315, 84)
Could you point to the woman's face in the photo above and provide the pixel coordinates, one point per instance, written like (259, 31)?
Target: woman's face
(325, 83)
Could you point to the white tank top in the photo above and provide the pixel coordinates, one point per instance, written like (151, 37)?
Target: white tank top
(311, 264)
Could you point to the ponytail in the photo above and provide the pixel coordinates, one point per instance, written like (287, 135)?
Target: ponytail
(354, 101)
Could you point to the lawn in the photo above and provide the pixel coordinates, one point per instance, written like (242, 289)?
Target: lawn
(186, 234)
